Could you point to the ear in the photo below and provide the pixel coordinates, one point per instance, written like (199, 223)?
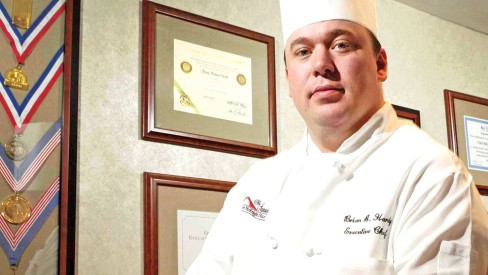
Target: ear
(286, 75)
(382, 65)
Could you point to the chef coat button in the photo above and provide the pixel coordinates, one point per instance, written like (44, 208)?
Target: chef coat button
(309, 252)
(274, 243)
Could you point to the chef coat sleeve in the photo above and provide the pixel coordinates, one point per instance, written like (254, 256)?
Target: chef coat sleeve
(444, 223)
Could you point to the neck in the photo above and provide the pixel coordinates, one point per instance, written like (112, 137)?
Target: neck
(329, 139)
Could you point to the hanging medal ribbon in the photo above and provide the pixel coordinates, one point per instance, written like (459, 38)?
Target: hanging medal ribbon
(16, 209)
(20, 115)
(14, 243)
(18, 177)
(22, 45)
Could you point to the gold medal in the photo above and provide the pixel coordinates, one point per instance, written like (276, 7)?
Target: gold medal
(185, 67)
(16, 148)
(241, 79)
(16, 78)
(22, 13)
(15, 209)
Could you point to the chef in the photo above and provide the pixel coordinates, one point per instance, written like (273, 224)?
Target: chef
(363, 192)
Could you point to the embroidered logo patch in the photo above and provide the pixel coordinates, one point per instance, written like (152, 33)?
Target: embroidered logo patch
(254, 208)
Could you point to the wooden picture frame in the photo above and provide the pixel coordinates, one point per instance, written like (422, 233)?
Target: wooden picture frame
(175, 192)
(407, 113)
(467, 110)
(228, 100)
(69, 153)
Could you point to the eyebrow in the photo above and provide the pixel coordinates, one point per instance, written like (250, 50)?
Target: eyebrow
(298, 41)
(333, 33)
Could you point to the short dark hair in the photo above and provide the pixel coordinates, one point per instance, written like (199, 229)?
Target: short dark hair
(376, 45)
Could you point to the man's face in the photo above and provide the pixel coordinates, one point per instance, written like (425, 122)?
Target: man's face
(333, 74)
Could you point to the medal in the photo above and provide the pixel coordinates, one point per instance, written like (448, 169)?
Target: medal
(23, 44)
(16, 148)
(20, 113)
(15, 209)
(16, 78)
(22, 13)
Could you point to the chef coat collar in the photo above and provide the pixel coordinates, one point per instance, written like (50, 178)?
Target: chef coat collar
(384, 120)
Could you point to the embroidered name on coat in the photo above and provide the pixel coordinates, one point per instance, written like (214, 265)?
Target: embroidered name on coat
(377, 224)
(255, 208)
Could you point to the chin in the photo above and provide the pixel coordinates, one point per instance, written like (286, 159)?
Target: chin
(333, 119)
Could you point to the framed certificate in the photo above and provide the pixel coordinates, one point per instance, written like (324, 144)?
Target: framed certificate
(467, 132)
(193, 229)
(207, 84)
(407, 113)
(178, 214)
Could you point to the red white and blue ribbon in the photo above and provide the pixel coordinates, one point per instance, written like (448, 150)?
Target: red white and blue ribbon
(22, 45)
(20, 115)
(18, 177)
(14, 243)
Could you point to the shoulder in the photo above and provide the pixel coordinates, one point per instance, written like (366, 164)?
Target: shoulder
(267, 174)
(416, 144)
(280, 161)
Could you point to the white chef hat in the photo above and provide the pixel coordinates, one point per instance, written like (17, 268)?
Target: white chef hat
(299, 13)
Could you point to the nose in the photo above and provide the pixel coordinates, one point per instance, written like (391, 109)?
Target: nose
(323, 64)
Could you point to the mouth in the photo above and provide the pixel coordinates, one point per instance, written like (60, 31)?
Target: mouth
(327, 90)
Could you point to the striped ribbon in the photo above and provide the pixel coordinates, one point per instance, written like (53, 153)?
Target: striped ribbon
(18, 177)
(14, 243)
(22, 45)
(20, 115)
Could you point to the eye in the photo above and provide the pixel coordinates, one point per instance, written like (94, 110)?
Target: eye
(341, 45)
(302, 52)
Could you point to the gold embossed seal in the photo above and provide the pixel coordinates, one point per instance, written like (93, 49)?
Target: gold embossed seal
(15, 209)
(241, 79)
(185, 100)
(186, 66)
(16, 148)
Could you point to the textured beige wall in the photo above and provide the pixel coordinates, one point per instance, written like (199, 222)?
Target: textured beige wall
(426, 56)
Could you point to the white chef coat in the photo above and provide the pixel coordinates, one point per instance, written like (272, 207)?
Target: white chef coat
(389, 201)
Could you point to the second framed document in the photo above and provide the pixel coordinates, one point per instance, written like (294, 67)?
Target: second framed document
(207, 84)
(178, 214)
(467, 127)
